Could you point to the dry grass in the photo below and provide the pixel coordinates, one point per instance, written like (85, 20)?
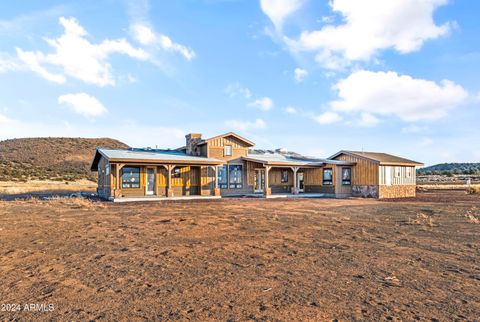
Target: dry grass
(421, 219)
(475, 187)
(12, 187)
(473, 216)
(473, 190)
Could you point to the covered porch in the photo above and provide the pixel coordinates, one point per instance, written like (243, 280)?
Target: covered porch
(153, 181)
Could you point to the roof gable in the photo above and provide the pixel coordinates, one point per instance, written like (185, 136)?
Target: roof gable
(248, 143)
(378, 157)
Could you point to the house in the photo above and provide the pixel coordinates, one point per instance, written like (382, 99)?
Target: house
(380, 175)
(227, 165)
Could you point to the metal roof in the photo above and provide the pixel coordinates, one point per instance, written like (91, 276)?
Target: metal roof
(382, 158)
(277, 158)
(154, 155)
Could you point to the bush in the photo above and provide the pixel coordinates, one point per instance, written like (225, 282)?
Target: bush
(473, 190)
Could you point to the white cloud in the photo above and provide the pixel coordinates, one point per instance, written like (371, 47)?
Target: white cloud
(327, 118)
(300, 74)
(236, 89)
(367, 28)
(387, 93)
(8, 63)
(263, 104)
(279, 10)
(146, 36)
(246, 125)
(367, 120)
(290, 110)
(83, 103)
(77, 57)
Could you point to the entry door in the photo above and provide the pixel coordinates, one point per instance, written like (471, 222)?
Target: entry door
(300, 184)
(150, 181)
(259, 180)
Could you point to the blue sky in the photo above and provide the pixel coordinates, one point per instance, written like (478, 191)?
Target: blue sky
(314, 77)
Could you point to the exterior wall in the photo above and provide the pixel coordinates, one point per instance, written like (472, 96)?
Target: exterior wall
(247, 179)
(193, 180)
(104, 182)
(364, 173)
(365, 176)
(342, 190)
(397, 191)
(275, 180)
(216, 148)
(313, 180)
(397, 175)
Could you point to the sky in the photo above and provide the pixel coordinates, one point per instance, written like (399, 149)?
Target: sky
(309, 76)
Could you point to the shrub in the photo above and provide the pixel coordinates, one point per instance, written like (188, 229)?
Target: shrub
(473, 190)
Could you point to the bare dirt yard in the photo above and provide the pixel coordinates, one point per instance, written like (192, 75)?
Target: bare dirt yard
(242, 260)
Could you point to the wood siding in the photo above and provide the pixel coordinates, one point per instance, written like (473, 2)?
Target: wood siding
(397, 175)
(364, 173)
(216, 148)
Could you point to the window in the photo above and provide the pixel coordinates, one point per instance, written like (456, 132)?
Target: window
(235, 174)
(131, 177)
(346, 176)
(397, 172)
(107, 169)
(177, 173)
(227, 150)
(222, 177)
(409, 172)
(284, 176)
(327, 176)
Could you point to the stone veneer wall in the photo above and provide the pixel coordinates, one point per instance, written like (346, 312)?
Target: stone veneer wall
(365, 191)
(397, 191)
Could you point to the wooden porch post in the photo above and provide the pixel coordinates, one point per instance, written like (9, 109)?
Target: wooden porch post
(267, 191)
(169, 168)
(118, 179)
(216, 190)
(295, 187)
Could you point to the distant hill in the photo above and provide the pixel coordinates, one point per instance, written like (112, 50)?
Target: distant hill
(62, 159)
(451, 168)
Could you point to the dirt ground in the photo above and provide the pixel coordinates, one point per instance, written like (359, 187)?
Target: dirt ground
(242, 260)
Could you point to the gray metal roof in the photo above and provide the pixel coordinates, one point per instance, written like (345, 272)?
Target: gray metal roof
(276, 158)
(153, 155)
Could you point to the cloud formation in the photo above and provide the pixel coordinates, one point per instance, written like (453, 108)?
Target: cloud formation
(84, 104)
(264, 104)
(279, 10)
(388, 93)
(146, 36)
(75, 56)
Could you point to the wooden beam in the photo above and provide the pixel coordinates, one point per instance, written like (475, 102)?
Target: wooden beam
(295, 184)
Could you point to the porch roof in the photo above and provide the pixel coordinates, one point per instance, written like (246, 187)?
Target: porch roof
(149, 156)
(277, 159)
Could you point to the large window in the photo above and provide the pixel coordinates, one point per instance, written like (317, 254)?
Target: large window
(227, 150)
(327, 176)
(346, 176)
(131, 177)
(222, 177)
(235, 175)
(284, 176)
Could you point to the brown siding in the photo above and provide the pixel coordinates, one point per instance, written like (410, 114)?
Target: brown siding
(216, 148)
(365, 172)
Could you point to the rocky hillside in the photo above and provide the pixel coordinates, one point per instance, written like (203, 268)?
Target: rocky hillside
(62, 159)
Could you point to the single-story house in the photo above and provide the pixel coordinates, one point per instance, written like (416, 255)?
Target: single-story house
(227, 165)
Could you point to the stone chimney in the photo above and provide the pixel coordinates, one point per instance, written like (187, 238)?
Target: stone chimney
(192, 140)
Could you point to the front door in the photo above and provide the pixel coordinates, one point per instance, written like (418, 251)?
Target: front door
(259, 180)
(150, 181)
(300, 184)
